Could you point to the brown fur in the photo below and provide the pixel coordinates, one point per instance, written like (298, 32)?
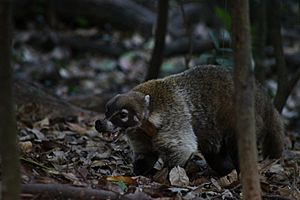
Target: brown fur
(194, 111)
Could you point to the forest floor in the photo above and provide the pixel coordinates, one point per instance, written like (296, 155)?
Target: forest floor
(59, 144)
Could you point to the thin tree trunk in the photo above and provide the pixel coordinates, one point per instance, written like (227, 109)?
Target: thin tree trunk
(276, 39)
(160, 34)
(244, 101)
(188, 33)
(8, 146)
(260, 38)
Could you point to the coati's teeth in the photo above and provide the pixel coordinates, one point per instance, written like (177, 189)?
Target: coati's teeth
(110, 137)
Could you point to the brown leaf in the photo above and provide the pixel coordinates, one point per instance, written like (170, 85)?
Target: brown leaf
(178, 177)
(161, 176)
(228, 180)
(216, 184)
(26, 147)
(42, 124)
(126, 179)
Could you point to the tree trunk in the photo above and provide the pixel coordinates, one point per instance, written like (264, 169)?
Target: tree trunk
(244, 101)
(160, 34)
(275, 34)
(9, 155)
(260, 24)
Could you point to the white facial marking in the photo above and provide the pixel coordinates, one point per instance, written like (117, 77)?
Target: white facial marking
(124, 119)
(147, 100)
(124, 111)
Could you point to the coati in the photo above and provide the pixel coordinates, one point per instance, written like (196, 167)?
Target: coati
(176, 116)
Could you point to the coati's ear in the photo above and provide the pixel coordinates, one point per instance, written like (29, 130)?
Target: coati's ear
(147, 100)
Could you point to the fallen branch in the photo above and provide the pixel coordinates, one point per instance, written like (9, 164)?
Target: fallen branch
(124, 14)
(82, 44)
(47, 39)
(34, 103)
(61, 191)
(270, 196)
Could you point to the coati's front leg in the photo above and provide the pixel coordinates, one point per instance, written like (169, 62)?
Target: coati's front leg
(144, 162)
(144, 156)
(175, 147)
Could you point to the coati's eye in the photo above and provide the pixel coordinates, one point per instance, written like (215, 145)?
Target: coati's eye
(123, 113)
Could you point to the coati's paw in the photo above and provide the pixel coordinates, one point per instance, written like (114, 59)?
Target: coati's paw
(144, 164)
(198, 168)
(196, 165)
(142, 167)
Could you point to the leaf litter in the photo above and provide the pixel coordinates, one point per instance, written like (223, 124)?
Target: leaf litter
(72, 152)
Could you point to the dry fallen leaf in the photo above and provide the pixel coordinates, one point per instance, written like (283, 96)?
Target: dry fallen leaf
(178, 177)
(26, 147)
(161, 176)
(285, 191)
(216, 184)
(38, 134)
(42, 124)
(276, 168)
(159, 164)
(227, 180)
(126, 179)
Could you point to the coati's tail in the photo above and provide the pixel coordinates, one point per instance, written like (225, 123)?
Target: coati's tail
(274, 140)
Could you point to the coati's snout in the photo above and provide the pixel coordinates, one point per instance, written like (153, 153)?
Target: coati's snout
(104, 126)
(108, 131)
(124, 111)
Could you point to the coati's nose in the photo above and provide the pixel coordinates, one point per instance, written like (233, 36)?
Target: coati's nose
(100, 126)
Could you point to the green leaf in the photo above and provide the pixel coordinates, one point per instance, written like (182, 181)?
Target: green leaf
(129, 55)
(122, 185)
(224, 16)
(82, 22)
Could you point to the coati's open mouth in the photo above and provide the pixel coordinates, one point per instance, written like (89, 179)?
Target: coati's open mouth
(110, 137)
(108, 132)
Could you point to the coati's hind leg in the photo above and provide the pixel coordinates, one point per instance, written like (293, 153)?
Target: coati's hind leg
(273, 140)
(223, 162)
(221, 156)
